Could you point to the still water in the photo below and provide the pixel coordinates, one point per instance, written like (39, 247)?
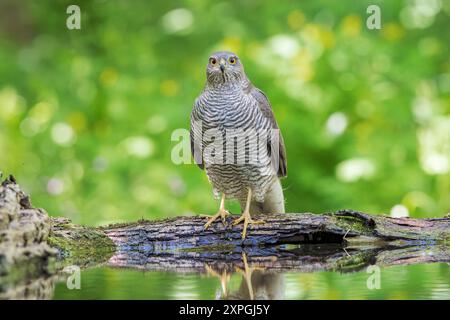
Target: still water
(420, 281)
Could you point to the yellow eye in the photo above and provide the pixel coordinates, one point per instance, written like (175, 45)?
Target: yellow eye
(213, 61)
(232, 60)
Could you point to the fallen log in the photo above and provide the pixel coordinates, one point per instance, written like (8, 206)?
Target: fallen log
(344, 240)
(291, 228)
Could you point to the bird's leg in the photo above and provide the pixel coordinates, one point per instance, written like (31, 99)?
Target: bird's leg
(247, 274)
(222, 213)
(223, 276)
(246, 215)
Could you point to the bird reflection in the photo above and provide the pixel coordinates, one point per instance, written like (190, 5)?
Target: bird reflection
(256, 283)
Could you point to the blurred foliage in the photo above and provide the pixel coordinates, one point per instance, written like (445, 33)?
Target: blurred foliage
(86, 115)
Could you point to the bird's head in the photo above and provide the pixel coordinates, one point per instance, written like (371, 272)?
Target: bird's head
(224, 67)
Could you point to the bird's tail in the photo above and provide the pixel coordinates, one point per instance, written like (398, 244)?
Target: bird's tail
(273, 202)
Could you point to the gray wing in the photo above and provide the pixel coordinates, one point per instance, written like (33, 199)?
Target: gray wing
(196, 149)
(267, 111)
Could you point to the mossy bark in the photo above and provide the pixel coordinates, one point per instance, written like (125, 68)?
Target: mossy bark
(79, 245)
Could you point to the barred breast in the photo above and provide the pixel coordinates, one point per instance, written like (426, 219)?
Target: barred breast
(221, 112)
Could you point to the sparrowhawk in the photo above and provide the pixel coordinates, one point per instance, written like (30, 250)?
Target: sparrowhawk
(229, 103)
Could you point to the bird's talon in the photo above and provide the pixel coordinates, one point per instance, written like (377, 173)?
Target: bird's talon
(247, 220)
(238, 220)
(221, 213)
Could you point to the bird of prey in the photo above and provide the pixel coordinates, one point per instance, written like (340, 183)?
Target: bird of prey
(228, 103)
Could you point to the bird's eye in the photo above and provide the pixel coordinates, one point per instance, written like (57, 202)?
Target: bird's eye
(213, 61)
(232, 60)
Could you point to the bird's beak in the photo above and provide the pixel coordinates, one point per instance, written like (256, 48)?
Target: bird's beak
(222, 65)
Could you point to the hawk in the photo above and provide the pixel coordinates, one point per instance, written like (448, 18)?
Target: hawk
(229, 119)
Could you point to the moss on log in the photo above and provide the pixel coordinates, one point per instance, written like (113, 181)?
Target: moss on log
(79, 245)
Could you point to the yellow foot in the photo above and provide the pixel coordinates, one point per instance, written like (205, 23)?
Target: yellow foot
(247, 274)
(222, 213)
(247, 220)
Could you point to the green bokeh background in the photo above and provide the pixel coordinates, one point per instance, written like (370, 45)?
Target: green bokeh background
(86, 116)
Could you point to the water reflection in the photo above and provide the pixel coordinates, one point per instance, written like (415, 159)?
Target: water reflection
(256, 283)
(29, 289)
(423, 281)
(260, 286)
(299, 273)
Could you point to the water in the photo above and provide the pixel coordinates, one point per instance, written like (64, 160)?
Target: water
(420, 281)
(300, 272)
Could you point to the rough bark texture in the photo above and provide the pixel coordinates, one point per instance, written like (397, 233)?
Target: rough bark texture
(23, 232)
(187, 233)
